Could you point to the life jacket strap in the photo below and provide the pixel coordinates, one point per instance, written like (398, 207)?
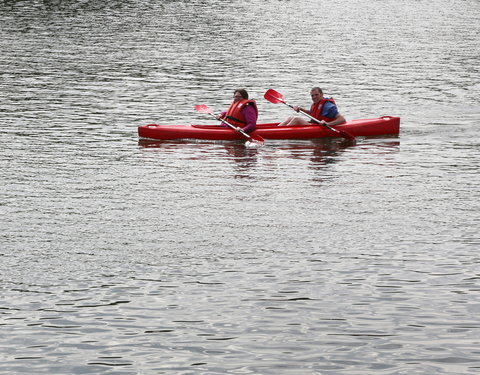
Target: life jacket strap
(235, 119)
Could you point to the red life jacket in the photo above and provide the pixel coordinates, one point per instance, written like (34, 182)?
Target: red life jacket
(316, 109)
(234, 113)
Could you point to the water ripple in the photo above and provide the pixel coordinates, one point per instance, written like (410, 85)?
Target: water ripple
(125, 256)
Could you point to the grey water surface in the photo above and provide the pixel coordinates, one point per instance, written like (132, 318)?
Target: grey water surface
(127, 256)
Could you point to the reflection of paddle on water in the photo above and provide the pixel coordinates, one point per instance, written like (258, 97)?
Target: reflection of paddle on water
(239, 151)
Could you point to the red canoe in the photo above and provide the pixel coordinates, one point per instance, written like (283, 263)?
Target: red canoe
(385, 125)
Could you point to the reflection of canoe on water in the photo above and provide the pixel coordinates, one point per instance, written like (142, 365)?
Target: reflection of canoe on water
(385, 125)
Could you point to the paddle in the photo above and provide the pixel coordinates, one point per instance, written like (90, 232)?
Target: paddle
(275, 97)
(254, 138)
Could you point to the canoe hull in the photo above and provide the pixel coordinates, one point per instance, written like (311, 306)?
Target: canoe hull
(385, 125)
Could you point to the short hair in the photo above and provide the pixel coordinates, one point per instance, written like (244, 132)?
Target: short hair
(318, 89)
(242, 92)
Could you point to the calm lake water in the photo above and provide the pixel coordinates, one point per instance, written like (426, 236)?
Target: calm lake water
(125, 256)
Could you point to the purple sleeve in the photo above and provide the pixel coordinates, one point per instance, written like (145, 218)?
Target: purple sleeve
(250, 118)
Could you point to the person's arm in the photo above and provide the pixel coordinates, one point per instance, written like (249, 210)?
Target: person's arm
(298, 109)
(221, 115)
(339, 119)
(250, 116)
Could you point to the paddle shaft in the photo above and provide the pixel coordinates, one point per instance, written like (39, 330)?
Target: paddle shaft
(233, 127)
(255, 138)
(312, 118)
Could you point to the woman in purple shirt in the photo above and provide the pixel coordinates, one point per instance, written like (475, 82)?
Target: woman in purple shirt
(242, 113)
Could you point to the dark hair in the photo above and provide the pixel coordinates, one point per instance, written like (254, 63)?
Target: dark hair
(317, 88)
(242, 92)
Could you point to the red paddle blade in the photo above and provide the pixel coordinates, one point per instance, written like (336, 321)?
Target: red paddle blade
(203, 108)
(347, 135)
(256, 138)
(273, 96)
